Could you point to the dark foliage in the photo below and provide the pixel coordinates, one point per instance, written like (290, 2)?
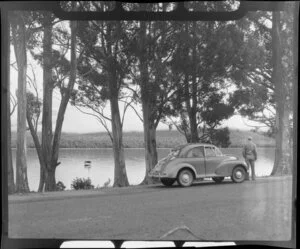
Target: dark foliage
(221, 137)
(60, 186)
(82, 183)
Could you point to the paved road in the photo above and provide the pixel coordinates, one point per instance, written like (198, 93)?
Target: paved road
(208, 211)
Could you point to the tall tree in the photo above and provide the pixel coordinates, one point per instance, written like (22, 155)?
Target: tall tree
(202, 65)
(153, 45)
(265, 84)
(48, 85)
(153, 50)
(120, 176)
(57, 72)
(105, 49)
(50, 141)
(254, 97)
(34, 24)
(65, 97)
(19, 42)
(279, 78)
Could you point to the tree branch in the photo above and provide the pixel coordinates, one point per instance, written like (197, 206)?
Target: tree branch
(14, 103)
(102, 122)
(136, 112)
(126, 104)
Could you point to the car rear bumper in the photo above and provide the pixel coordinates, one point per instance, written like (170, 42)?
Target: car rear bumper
(157, 175)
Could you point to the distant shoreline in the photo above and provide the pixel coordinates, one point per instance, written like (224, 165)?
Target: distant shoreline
(135, 140)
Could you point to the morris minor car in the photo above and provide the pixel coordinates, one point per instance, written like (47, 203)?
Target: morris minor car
(190, 162)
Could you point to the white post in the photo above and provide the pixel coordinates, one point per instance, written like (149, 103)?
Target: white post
(88, 165)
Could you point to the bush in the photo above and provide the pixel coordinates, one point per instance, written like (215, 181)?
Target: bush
(221, 138)
(82, 183)
(60, 186)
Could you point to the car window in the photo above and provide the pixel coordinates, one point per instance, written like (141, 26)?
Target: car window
(210, 151)
(197, 152)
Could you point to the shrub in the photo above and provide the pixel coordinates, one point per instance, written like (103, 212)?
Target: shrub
(221, 138)
(82, 183)
(60, 186)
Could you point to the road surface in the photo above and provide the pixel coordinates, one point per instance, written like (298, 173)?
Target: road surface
(229, 211)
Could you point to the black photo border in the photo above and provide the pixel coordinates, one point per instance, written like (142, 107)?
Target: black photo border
(180, 13)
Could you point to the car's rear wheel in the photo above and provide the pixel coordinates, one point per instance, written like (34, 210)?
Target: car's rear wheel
(238, 174)
(167, 181)
(218, 179)
(185, 178)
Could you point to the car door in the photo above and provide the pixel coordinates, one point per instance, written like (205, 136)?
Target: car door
(212, 160)
(195, 157)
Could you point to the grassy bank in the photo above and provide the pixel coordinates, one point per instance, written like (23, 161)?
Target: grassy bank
(165, 139)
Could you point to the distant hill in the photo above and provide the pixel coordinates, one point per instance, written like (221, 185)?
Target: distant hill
(165, 139)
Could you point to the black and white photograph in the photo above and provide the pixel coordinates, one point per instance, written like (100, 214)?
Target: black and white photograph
(150, 129)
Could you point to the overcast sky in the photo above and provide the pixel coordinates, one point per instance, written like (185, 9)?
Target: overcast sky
(77, 122)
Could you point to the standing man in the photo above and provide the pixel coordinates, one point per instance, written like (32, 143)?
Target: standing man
(250, 155)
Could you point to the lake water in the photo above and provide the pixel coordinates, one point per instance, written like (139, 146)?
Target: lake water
(72, 164)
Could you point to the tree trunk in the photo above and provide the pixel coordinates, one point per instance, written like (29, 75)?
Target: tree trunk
(150, 143)
(18, 30)
(10, 169)
(147, 99)
(192, 135)
(295, 88)
(47, 103)
(50, 183)
(39, 152)
(193, 108)
(50, 174)
(120, 177)
(194, 138)
(282, 151)
(42, 177)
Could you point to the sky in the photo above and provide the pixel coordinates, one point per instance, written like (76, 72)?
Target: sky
(77, 122)
(85, 123)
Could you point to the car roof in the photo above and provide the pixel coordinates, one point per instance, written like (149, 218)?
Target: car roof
(186, 147)
(192, 145)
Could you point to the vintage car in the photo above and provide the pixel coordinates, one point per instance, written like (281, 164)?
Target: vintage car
(188, 162)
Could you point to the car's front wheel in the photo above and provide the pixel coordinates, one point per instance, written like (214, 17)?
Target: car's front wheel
(185, 178)
(167, 181)
(238, 174)
(218, 179)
